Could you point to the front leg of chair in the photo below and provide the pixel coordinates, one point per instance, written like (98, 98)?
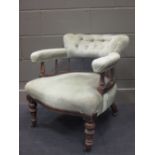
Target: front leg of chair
(33, 110)
(89, 133)
(114, 109)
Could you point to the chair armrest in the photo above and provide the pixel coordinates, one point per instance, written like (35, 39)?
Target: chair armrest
(100, 65)
(46, 54)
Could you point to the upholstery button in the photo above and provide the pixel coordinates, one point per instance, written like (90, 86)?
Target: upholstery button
(91, 40)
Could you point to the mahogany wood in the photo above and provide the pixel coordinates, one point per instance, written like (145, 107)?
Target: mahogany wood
(101, 84)
(32, 110)
(89, 133)
(89, 120)
(114, 109)
(42, 69)
(56, 66)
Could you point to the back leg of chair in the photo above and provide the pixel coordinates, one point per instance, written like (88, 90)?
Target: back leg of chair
(114, 109)
(33, 110)
(89, 133)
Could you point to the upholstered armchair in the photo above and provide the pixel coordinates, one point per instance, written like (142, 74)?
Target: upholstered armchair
(84, 94)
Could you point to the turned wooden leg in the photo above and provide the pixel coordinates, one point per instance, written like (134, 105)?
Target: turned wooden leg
(114, 109)
(89, 134)
(33, 111)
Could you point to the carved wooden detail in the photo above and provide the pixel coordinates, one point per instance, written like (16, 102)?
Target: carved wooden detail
(101, 84)
(102, 87)
(32, 110)
(89, 134)
(56, 66)
(42, 69)
(114, 109)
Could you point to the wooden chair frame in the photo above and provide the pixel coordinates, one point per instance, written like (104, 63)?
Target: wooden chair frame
(89, 125)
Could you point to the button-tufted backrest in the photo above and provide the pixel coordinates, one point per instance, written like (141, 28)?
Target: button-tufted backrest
(94, 45)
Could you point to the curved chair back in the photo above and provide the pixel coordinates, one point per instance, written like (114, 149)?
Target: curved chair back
(94, 45)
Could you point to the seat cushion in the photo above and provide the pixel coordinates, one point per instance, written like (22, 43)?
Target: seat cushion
(71, 92)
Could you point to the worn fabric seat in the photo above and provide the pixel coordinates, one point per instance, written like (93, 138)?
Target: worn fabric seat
(71, 92)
